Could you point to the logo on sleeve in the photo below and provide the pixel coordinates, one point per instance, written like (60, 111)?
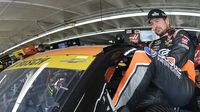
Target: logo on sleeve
(184, 40)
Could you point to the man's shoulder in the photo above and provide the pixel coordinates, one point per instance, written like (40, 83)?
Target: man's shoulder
(181, 32)
(183, 37)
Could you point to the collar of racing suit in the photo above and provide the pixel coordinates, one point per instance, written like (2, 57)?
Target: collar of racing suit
(169, 32)
(164, 41)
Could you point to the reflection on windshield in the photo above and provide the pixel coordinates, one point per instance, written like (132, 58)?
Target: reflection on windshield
(43, 95)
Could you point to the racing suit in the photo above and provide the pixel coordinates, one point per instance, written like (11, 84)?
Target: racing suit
(164, 81)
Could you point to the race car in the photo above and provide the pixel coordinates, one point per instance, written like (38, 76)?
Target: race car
(74, 79)
(67, 80)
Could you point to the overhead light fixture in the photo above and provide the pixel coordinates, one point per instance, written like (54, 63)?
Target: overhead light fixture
(184, 14)
(196, 30)
(110, 17)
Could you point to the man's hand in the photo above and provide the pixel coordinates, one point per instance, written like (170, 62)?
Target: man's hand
(134, 38)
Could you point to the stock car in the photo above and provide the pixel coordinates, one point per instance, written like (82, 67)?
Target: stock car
(67, 80)
(74, 79)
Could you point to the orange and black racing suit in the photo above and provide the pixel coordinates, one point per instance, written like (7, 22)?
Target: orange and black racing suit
(169, 78)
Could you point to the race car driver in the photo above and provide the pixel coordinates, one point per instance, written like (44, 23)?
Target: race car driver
(173, 86)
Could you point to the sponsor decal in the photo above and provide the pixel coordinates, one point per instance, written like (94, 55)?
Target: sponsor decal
(74, 60)
(30, 62)
(156, 48)
(157, 42)
(155, 14)
(184, 39)
(150, 51)
(77, 62)
(164, 52)
(170, 65)
(77, 59)
(153, 53)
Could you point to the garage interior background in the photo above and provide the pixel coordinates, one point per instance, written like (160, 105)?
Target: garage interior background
(25, 22)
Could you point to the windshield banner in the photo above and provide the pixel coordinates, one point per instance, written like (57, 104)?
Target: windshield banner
(77, 62)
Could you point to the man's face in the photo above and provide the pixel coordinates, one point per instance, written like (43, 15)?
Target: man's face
(159, 25)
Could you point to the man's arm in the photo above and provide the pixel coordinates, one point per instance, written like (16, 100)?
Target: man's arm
(181, 48)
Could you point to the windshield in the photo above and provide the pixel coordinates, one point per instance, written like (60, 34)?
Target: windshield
(31, 90)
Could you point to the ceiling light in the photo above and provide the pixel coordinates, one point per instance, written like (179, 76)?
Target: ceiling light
(196, 30)
(116, 16)
(183, 14)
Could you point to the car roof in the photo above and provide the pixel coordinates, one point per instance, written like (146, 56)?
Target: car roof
(77, 57)
(75, 50)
